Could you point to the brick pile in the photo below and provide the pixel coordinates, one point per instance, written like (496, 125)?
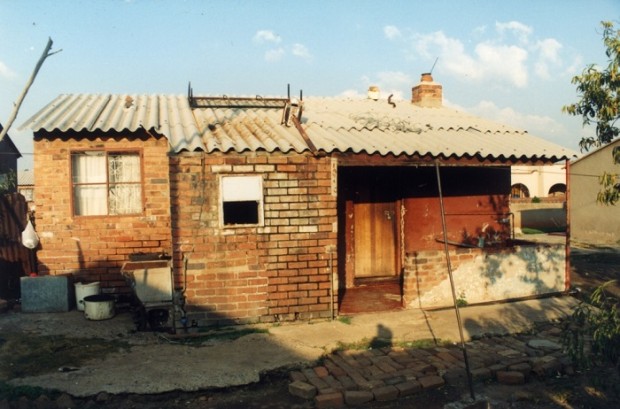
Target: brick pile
(354, 377)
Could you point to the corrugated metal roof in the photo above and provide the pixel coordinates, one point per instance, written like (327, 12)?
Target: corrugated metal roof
(333, 125)
(25, 177)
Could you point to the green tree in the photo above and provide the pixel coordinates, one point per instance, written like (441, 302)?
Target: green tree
(599, 104)
(591, 335)
(8, 182)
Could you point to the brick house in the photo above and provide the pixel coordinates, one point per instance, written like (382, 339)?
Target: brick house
(278, 209)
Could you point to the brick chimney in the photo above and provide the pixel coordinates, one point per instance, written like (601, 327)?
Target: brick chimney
(427, 93)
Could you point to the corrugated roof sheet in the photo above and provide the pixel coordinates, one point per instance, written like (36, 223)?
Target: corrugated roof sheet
(333, 125)
(25, 177)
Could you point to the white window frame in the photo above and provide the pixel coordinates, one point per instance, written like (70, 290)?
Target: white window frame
(241, 188)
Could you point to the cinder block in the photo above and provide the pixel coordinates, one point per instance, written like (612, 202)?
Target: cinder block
(46, 294)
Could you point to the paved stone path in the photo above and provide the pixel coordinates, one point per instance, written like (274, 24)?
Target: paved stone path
(354, 377)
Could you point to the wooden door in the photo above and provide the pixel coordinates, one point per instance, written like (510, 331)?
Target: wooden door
(375, 244)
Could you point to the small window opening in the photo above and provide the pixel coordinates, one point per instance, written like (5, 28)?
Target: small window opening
(240, 212)
(519, 191)
(559, 189)
(242, 199)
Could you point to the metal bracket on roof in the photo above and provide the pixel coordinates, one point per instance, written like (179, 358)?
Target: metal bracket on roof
(293, 107)
(226, 101)
(304, 135)
(190, 95)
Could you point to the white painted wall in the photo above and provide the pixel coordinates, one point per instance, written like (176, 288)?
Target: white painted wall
(538, 179)
(591, 222)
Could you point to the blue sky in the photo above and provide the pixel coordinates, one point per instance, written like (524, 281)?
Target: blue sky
(509, 61)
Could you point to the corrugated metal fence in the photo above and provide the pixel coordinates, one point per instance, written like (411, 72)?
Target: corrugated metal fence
(15, 259)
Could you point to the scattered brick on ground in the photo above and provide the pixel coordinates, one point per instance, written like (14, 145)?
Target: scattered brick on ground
(355, 377)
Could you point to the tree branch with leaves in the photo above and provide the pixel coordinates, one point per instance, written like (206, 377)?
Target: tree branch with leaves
(599, 105)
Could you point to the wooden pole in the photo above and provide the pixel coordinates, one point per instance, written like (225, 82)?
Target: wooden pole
(17, 105)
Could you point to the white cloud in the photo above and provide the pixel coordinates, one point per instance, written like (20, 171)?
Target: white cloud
(266, 36)
(389, 83)
(274, 54)
(392, 83)
(489, 62)
(575, 67)
(301, 51)
(519, 30)
(548, 57)
(352, 94)
(480, 30)
(538, 125)
(391, 32)
(5, 71)
(549, 49)
(505, 62)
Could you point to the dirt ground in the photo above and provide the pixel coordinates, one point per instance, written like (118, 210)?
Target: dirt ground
(593, 390)
(592, 267)
(598, 388)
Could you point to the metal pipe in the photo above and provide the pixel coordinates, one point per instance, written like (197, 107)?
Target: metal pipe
(568, 226)
(456, 307)
(331, 287)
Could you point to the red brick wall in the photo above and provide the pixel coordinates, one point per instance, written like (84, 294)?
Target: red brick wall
(424, 270)
(94, 248)
(279, 271)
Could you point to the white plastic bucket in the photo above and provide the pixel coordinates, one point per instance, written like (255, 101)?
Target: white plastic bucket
(84, 290)
(99, 307)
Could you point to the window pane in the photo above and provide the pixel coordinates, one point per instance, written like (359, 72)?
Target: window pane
(106, 183)
(125, 199)
(89, 168)
(28, 194)
(124, 168)
(90, 200)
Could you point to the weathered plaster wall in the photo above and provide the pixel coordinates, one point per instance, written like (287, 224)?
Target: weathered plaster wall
(591, 222)
(93, 248)
(550, 214)
(484, 275)
(277, 271)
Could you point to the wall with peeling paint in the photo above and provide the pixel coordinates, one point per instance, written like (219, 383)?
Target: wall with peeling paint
(482, 275)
